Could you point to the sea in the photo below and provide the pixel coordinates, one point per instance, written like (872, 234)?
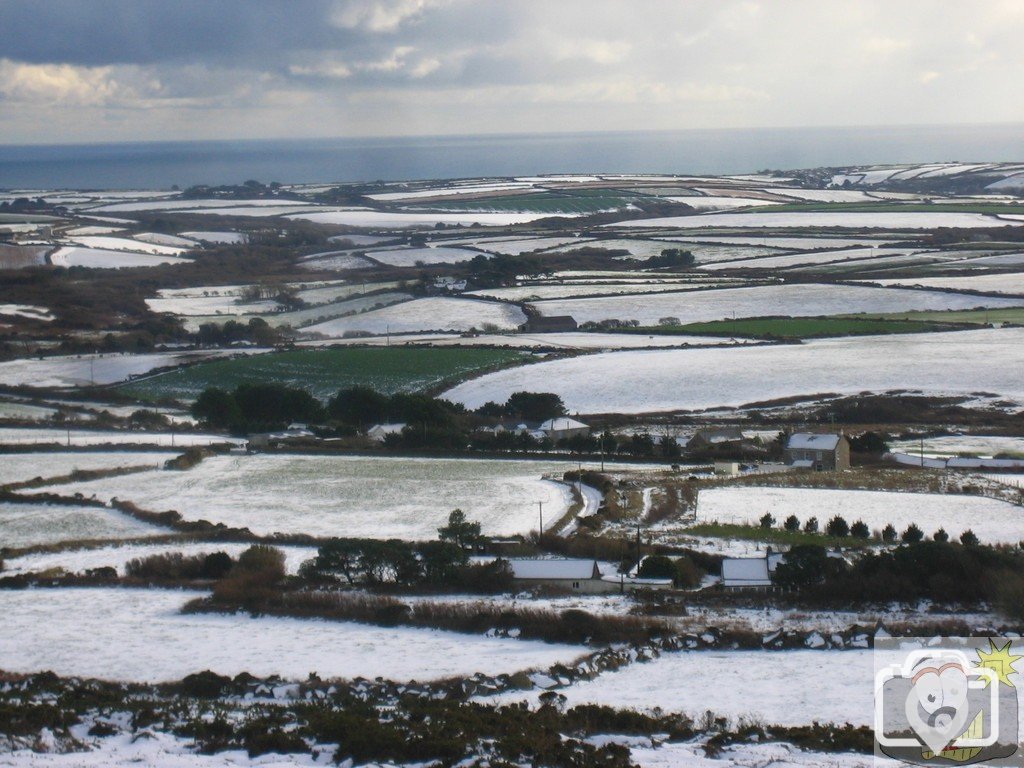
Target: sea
(161, 165)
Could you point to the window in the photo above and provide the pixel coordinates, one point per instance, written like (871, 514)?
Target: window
(575, 585)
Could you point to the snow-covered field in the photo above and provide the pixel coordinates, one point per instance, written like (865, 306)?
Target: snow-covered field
(26, 310)
(217, 238)
(19, 467)
(99, 258)
(430, 314)
(721, 202)
(139, 635)
(575, 340)
(347, 496)
(811, 257)
(994, 522)
(104, 242)
(855, 220)
(464, 189)
(799, 300)
(117, 556)
(387, 219)
(85, 370)
(823, 195)
(1008, 283)
(410, 257)
(773, 687)
(986, 446)
(584, 288)
(338, 261)
(810, 243)
(82, 437)
(182, 204)
(660, 380)
(25, 525)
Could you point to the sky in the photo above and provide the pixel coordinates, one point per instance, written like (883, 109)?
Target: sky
(144, 70)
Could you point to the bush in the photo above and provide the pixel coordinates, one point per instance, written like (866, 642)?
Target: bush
(837, 527)
(968, 539)
(767, 520)
(889, 533)
(657, 567)
(176, 566)
(792, 523)
(811, 526)
(803, 566)
(912, 535)
(860, 530)
(941, 535)
(687, 574)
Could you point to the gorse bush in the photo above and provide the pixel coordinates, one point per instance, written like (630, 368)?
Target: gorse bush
(176, 566)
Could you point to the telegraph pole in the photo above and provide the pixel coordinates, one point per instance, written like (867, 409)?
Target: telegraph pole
(540, 512)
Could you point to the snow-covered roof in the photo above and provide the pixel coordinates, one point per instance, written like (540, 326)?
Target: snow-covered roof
(746, 572)
(809, 441)
(386, 429)
(803, 464)
(555, 569)
(561, 424)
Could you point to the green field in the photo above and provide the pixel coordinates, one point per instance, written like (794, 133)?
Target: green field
(1013, 315)
(324, 371)
(554, 203)
(800, 327)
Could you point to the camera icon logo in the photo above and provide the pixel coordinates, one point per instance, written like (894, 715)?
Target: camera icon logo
(947, 703)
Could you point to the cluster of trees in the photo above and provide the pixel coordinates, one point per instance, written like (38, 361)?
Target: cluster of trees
(257, 331)
(362, 407)
(685, 574)
(256, 407)
(928, 570)
(443, 562)
(837, 527)
(672, 257)
(528, 406)
(247, 190)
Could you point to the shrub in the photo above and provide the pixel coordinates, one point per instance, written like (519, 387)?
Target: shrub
(264, 560)
(176, 566)
(912, 535)
(968, 539)
(767, 520)
(889, 533)
(811, 526)
(941, 535)
(657, 567)
(687, 575)
(860, 530)
(837, 527)
(803, 566)
(792, 523)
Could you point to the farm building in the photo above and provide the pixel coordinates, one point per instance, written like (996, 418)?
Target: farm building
(750, 572)
(574, 575)
(819, 452)
(709, 438)
(380, 431)
(564, 427)
(553, 429)
(552, 324)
